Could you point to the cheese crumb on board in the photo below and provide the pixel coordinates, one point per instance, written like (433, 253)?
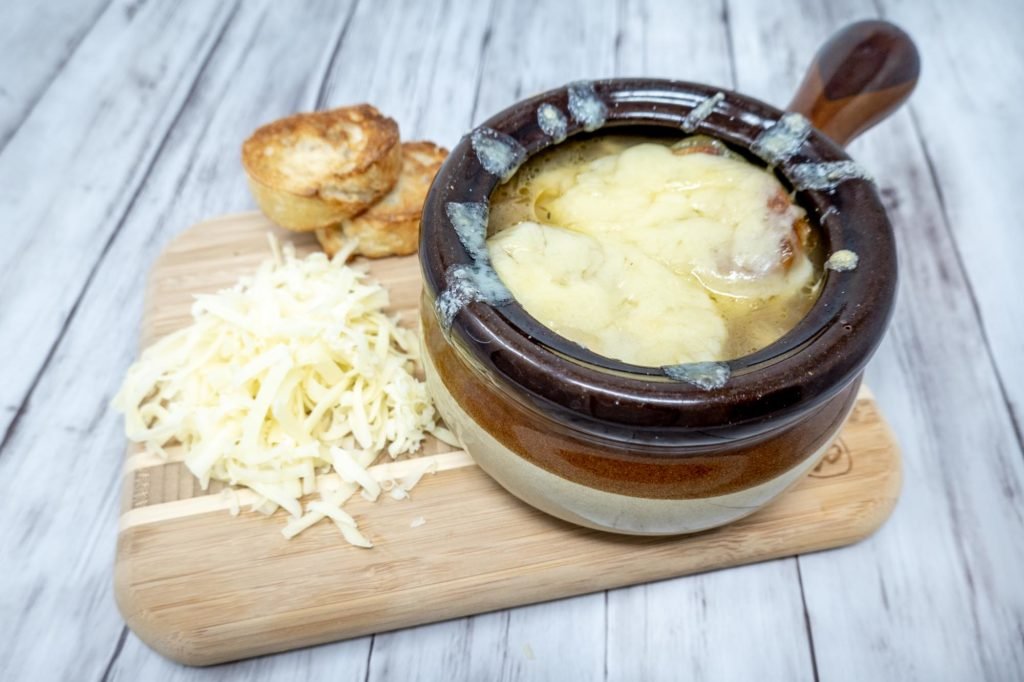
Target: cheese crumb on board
(293, 373)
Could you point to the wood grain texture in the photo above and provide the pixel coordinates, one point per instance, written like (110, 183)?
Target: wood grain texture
(480, 549)
(934, 595)
(652, 642)
(39, 38)
(534, 46)
(860, 76)
(528, 643)
(413, 59)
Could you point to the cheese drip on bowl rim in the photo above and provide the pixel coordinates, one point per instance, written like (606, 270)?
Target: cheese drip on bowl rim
(293, 373)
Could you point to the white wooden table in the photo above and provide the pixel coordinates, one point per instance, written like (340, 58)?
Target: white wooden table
(121, 124)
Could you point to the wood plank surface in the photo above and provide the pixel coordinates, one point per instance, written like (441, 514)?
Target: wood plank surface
(39, 38)
(479, 550)
(122, 89)
(972, 97)
(96, 102)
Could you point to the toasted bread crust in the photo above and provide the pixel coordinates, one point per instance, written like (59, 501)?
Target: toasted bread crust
(311, 170)
(391, 226)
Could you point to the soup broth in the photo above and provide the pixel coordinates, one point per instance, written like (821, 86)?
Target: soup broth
(654, 251)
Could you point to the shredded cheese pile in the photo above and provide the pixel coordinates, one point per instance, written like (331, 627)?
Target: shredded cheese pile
(292, 373)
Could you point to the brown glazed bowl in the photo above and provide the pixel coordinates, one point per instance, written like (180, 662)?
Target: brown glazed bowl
(665, 450)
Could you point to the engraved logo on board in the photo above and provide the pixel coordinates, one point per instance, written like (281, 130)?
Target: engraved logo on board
(836, 462)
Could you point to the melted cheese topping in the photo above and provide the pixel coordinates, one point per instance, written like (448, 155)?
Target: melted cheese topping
(599, 296)
(294, 372)
(649, 253)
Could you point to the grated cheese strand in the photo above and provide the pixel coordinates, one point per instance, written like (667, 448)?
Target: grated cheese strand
(294, 372)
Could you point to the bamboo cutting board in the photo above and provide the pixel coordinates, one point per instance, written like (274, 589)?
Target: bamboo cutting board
(202, 587)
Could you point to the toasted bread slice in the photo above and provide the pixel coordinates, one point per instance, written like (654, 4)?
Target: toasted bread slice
(311, 170)
(391, 227)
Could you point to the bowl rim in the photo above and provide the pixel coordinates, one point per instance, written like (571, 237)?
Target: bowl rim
(823, 353)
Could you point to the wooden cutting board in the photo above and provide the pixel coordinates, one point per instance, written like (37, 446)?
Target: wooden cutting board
(202, 587)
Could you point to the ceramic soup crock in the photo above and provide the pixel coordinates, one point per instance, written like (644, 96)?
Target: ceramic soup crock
(665, 450)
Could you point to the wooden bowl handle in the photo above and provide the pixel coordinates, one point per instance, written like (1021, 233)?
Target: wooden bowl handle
(861, 75)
